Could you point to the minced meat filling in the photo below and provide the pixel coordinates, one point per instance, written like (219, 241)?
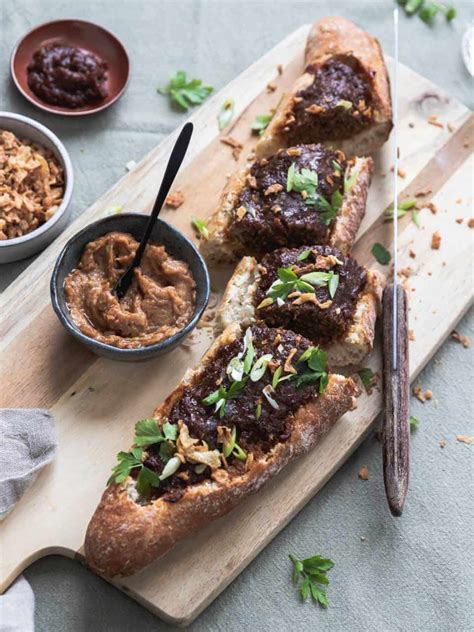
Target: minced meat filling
(316, 315)
(259, 424)
(335, 106)
(267, 216)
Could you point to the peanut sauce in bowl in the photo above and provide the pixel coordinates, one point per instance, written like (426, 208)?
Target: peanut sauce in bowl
(167, 297)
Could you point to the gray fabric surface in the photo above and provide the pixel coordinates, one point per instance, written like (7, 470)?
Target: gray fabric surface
(27, 444)
(411, 574)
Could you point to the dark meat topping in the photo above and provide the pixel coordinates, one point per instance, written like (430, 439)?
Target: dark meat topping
(272, 425)
(67, 76)
(253, 434)
(335, 106)
(276, 218)
(308, 319)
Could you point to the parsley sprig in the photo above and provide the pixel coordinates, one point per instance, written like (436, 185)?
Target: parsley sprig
(147, 432)
(288, 281)
(316, 361)
(186, 93)
(310, 575)
(306, 183)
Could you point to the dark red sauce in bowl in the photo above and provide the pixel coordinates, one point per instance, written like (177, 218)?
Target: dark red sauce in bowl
(67, 76)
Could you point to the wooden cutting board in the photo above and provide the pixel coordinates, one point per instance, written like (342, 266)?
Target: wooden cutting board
(96, 402)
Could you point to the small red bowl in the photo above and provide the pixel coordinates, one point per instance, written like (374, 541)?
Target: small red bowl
(80, 34)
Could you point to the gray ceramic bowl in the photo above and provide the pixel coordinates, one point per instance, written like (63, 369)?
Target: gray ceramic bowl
(176, 244)
(31, 243)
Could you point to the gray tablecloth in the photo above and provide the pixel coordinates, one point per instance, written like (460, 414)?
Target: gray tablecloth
(409, 574)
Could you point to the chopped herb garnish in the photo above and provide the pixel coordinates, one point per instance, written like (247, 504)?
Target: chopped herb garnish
(337, 166)
(223, 395)
(316, 360)
(260, 123)
(414, 422)
(310, 575)
(402, 209)
(381, 254)
(288, 281)
(232, 447)
(128, 461)
(200, 226)
(186, 93)
(258, 410)
(367, 378)
(303, 255)
(349, 181)
(427, 11)
(347, 105)
(306, 183)
(226, 113)
(147, 432)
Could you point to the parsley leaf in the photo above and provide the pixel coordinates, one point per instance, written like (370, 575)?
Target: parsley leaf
(306, 183)
(288, 281)
(381, 254)
(414, 423)
(186, 93)
(303, 255)
(226, 113)
(312, 573)
(402, 209)
(316, 360)
(260, 123)
(367, 378)
(128, 461)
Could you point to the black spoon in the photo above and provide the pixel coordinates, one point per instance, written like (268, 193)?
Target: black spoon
(172, 168)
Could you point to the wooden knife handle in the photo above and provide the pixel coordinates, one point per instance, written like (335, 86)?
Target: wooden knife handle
(396, 442)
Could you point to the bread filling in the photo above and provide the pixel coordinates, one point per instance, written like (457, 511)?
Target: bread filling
(271, 213)
(239, 408)
(311, 290)
(336, 105)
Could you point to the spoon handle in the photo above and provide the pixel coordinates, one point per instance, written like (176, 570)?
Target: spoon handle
(172, 168)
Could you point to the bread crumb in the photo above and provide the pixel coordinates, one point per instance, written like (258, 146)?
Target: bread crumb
(433, 120)
(411, 335)
(412, 254)
(423, 192)
(236, 146)
(174, 199)
(471, 223)
(443, 443)
(401, 173)
(271, 87)
(420, 395)
(451, 127)
(459, 220)
(459, 201)
(436, 240)
(280, 69)
(465, 439)
(364, 473)
(464, 340)
(273, 188)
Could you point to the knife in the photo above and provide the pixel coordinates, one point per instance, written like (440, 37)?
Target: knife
(396, 391)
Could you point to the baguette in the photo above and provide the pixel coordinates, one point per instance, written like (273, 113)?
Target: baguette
(343, 97)
(276, 223)
(348, 341)
(128, 531)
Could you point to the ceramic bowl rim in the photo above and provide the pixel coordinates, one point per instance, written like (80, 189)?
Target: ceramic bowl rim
(150, 349)
(68, 171)
(65, 111)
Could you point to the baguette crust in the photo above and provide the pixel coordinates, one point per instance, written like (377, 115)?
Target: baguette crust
(237, 305)
(124, 536)
(340, 38)
(221, 248)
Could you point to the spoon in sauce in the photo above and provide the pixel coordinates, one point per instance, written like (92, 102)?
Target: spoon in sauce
(172, 168)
